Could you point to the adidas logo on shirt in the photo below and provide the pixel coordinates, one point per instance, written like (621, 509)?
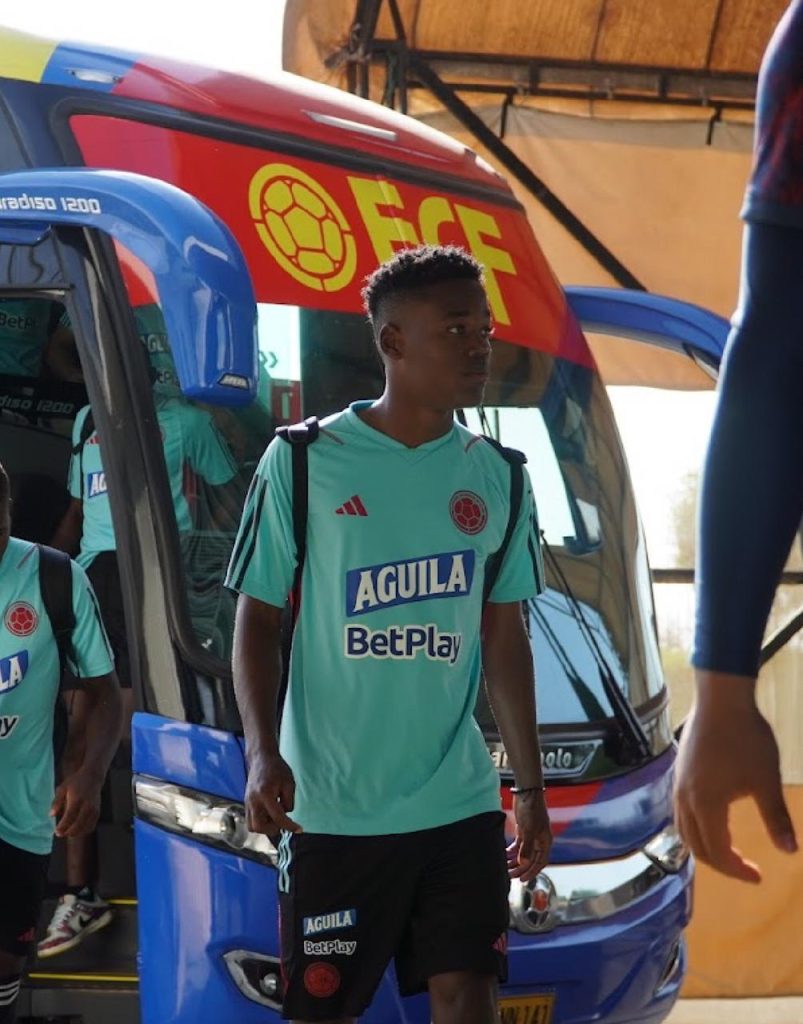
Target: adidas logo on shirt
(352, 507)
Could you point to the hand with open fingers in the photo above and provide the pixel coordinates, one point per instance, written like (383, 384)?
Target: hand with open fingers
(529, 852)
(269, 796)
(726, 754)
(76, 804)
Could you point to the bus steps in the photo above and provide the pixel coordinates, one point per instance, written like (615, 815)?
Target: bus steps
(92, 984)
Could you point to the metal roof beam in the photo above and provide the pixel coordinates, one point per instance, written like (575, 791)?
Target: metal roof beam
(576, 228)
(534, 75)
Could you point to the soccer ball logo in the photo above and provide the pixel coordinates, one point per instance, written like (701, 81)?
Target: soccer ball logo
(468, 510)
(302, 227)
(21, 619)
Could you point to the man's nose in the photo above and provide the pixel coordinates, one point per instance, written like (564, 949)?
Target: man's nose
(480, 341)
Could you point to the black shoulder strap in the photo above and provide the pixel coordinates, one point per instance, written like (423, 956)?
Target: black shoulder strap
(55, 586)
(87, 429)
(516, 460)
(300, 436)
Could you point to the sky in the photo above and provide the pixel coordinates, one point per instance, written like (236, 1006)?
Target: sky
(663, 433)
(242, 35)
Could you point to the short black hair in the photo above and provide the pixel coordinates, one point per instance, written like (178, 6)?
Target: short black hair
(411, 269)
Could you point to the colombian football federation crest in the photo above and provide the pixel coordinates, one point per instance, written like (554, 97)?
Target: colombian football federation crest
(21, 618)
(469, 512)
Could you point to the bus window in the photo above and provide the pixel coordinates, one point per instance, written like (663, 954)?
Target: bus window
(311, 362)
(557, 413)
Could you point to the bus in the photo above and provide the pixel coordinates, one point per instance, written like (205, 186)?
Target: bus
(317, 188)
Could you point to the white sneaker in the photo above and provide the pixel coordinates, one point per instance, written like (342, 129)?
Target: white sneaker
(73, 919)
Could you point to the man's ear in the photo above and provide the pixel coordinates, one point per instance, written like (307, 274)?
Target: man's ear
(391, 342)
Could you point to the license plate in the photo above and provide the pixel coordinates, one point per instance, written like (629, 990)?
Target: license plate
(527, 1009)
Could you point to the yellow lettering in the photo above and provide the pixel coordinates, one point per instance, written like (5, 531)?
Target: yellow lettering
(383, 230)
(476, 226)
(434, 211)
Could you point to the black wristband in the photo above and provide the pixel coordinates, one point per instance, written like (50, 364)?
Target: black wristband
(518, 790)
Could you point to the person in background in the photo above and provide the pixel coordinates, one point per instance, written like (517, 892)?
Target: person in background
(193, 447)
(380, 762)
(30, 804)
(752, 491)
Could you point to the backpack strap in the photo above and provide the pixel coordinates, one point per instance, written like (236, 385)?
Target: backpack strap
(87, 430)
(300, 436)
(516, 460)
(55, 587)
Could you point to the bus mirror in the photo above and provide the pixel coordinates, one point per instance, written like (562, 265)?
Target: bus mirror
(655, 319)
(204, 286)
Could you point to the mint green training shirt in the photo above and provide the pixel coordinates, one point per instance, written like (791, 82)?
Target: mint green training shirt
(378, 723)
(29, 681)
(25, 325)
(189, 436)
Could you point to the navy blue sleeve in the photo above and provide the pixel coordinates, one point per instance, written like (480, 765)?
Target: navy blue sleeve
(752, 493)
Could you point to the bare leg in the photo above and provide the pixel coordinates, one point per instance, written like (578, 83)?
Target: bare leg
(461, 997)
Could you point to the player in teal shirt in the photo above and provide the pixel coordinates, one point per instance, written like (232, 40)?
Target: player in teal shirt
(25, 327)
(29, 686)
(380, 762)
(191, 441)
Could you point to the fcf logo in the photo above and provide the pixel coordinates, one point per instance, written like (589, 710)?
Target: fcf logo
(302, 227)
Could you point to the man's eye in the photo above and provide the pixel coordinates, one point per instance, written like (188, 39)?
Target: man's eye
(488, 332)
(456, 329)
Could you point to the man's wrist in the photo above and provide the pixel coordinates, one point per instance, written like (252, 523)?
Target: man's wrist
(723, 689)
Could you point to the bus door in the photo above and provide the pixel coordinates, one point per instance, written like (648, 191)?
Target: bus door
(68, 339)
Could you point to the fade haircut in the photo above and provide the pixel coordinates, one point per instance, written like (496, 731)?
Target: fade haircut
(411, 269)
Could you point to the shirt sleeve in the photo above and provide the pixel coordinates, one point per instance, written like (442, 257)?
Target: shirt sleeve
(74, 476)
(209, 455)
(522, 572)
(91, 652)
(263, 561)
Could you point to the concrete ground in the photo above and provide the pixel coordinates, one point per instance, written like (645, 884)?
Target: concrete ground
(737, 1011)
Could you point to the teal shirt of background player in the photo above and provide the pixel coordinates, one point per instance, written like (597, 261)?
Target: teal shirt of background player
(378, 722)
(25, 325)
(29, 681)
(189, 436)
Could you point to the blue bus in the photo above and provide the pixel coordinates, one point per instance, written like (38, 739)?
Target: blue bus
(206, 236)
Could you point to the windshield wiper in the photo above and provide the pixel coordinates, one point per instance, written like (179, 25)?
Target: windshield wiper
(635, 738)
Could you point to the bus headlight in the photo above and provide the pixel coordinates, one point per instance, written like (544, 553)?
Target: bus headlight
(204, 817)
(593, 890)
(668, 850)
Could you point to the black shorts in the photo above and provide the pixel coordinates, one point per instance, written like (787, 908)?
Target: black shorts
(435, 901)
(104, 575)
(22, 888)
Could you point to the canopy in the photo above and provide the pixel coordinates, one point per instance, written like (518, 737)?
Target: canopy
(624, 126)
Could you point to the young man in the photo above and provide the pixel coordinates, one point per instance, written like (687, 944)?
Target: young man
(191, 442)
(751, 500)
(29, 686)
(395, 847)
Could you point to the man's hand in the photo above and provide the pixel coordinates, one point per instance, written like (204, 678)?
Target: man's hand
(728, 751)
(529, 852)
(269, 795)
(76, 804)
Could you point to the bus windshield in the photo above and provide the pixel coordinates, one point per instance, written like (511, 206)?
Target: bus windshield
(314, 362)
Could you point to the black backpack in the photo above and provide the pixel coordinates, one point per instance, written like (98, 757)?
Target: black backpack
(87, 430)
(55, 586)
